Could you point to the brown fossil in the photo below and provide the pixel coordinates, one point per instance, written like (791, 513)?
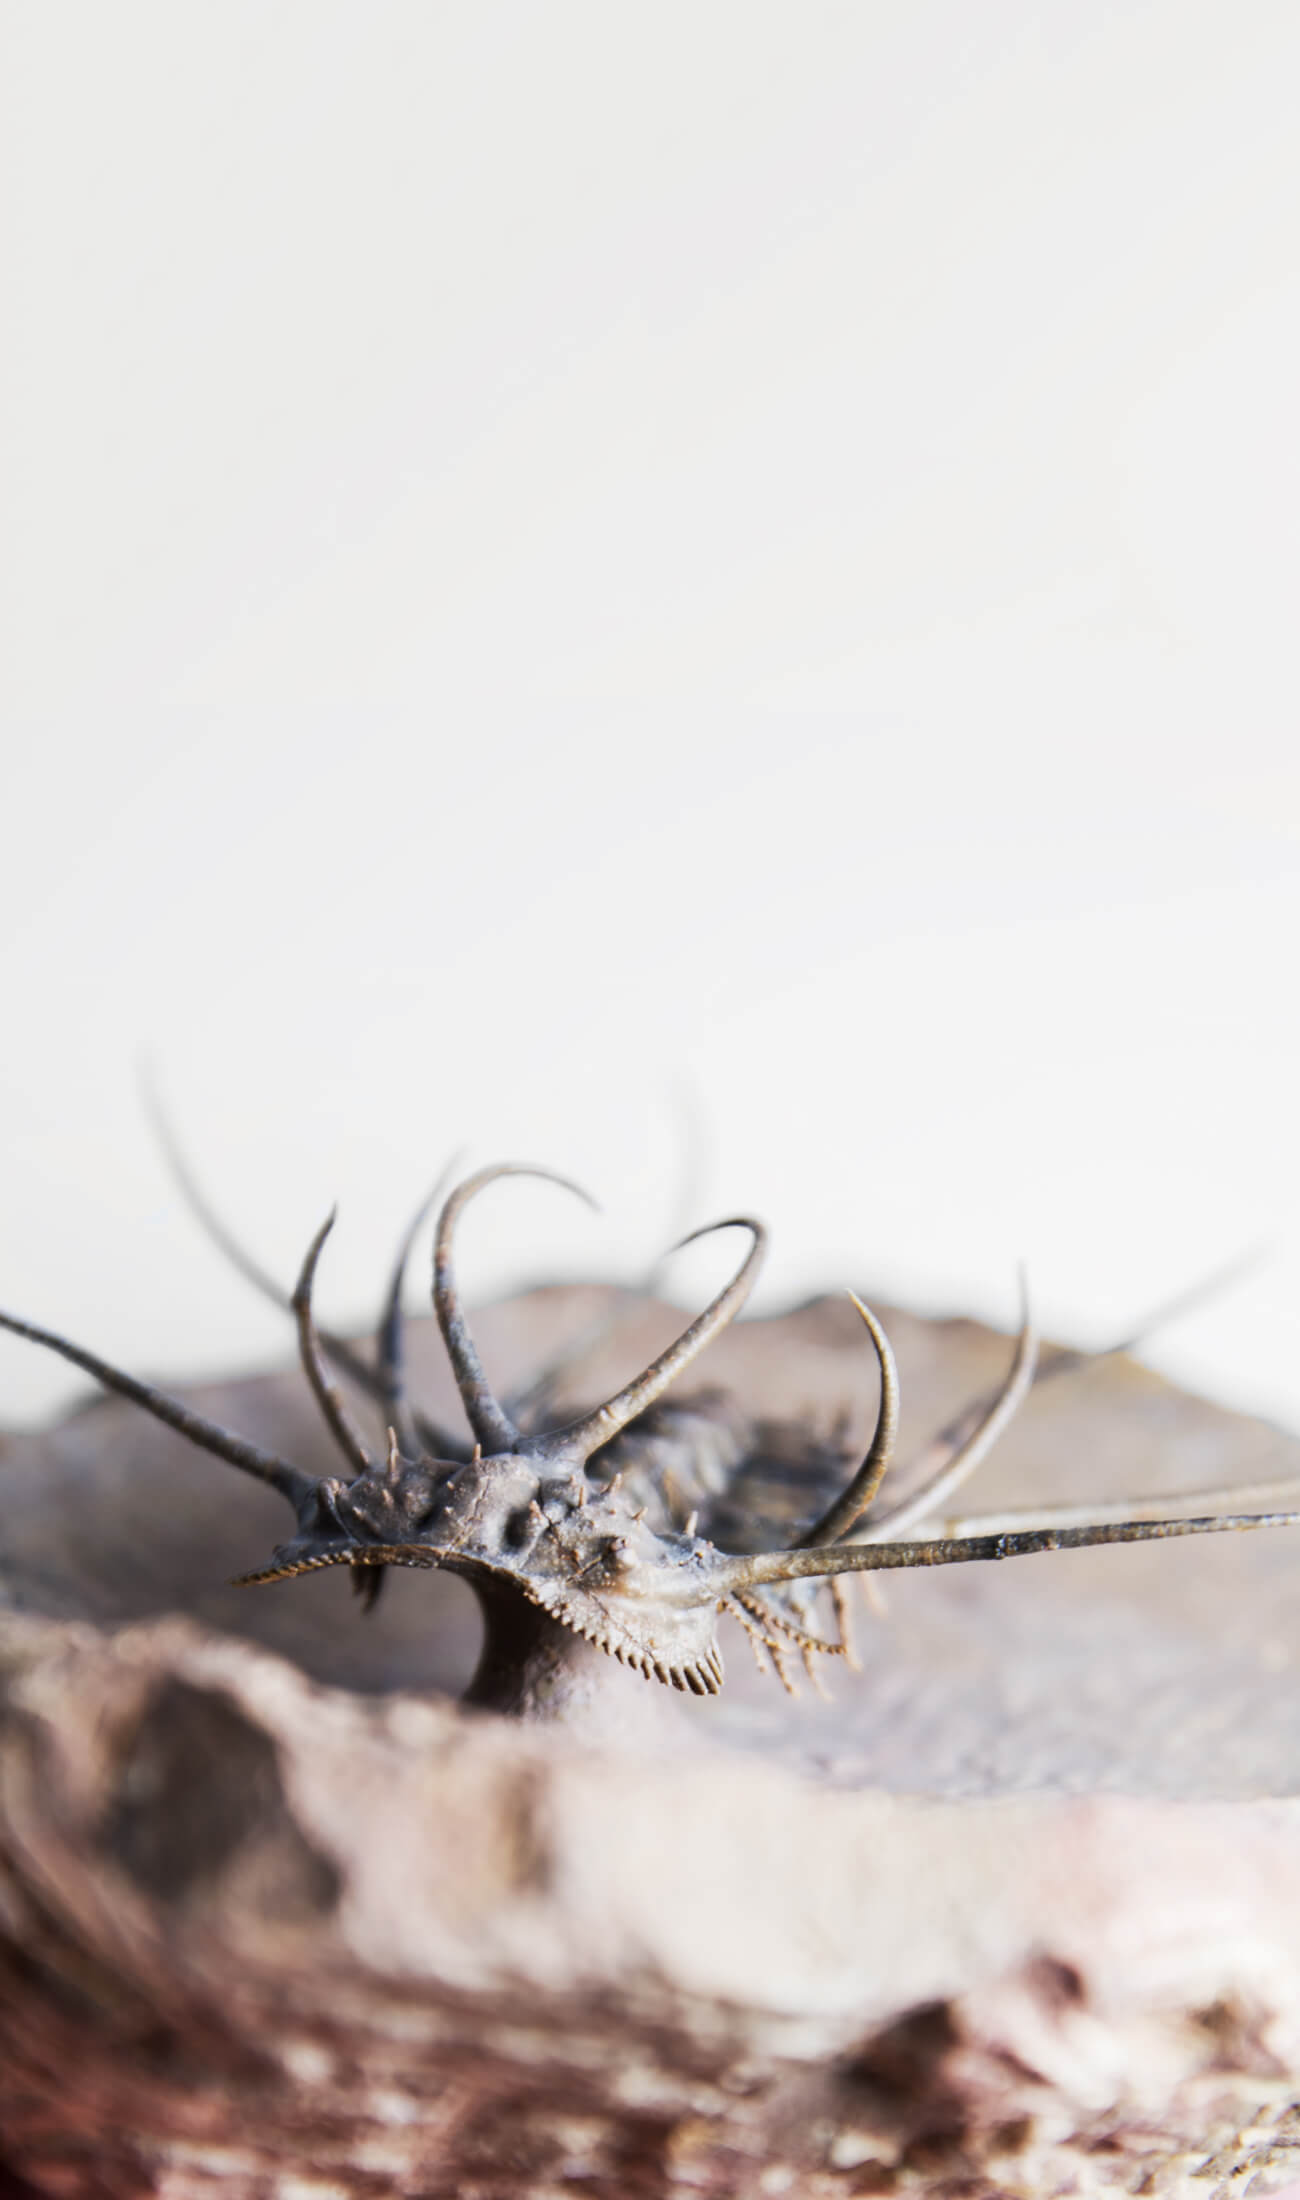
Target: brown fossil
(587, 1537)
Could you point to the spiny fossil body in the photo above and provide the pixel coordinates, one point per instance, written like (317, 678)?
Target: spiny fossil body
(621, 1537)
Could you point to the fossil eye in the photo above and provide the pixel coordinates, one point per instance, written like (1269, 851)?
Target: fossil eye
(520, 1527)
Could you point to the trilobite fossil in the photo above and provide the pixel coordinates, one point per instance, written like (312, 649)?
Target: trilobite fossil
(620, 1528)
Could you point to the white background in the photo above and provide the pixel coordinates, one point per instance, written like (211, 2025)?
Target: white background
(579, 570)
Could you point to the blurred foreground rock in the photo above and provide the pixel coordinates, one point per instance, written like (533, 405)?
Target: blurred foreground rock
(1018, 1912)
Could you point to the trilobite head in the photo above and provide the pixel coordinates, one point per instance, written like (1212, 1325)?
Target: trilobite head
(531, 1515)
(526, 1523)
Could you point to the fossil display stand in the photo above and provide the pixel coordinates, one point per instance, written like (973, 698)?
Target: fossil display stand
(1017, 1911)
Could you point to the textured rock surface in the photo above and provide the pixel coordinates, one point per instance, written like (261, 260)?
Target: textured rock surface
(1018, 1911)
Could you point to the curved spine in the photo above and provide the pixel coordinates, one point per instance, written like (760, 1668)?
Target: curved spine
(327, 1394)
(373, 1381)
(492, 1425)
(578, 1442)
(390, 1338)
(855, 1500)
(978, 1443)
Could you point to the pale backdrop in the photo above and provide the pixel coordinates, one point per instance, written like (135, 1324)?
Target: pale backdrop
(702, 593)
